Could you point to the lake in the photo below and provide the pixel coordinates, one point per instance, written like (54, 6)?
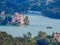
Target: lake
(37, 23)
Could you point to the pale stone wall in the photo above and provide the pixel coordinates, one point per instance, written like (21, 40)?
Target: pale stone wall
(19, 18)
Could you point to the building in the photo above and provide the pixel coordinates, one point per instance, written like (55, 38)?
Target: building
(56, 37)
(18, 18)
(3, 12)
(2, 17)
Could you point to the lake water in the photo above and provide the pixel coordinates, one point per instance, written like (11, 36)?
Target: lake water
(37, 23)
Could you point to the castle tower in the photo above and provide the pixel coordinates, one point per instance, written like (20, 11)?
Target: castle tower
(18, 18)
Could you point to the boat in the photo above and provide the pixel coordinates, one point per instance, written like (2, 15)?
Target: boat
(49, 27)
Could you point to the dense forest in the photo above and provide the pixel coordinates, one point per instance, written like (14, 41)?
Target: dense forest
(41, 39)
(52, 10)
(11, 6)
(49, 8)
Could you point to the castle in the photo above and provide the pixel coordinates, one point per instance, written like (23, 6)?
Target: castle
(16, 19)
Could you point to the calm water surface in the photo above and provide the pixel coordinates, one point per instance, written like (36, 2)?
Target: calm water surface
(37, 23)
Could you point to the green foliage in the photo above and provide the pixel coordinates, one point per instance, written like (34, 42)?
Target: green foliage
(41, 35)
(52, 10)
(6, 39)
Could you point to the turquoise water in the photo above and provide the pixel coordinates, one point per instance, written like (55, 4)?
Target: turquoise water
(37, 23)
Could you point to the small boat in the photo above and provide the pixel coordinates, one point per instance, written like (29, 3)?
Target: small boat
(49, 27)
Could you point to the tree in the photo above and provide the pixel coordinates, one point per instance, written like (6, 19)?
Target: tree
(29, 34)
(52, 10)
(41, 35)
